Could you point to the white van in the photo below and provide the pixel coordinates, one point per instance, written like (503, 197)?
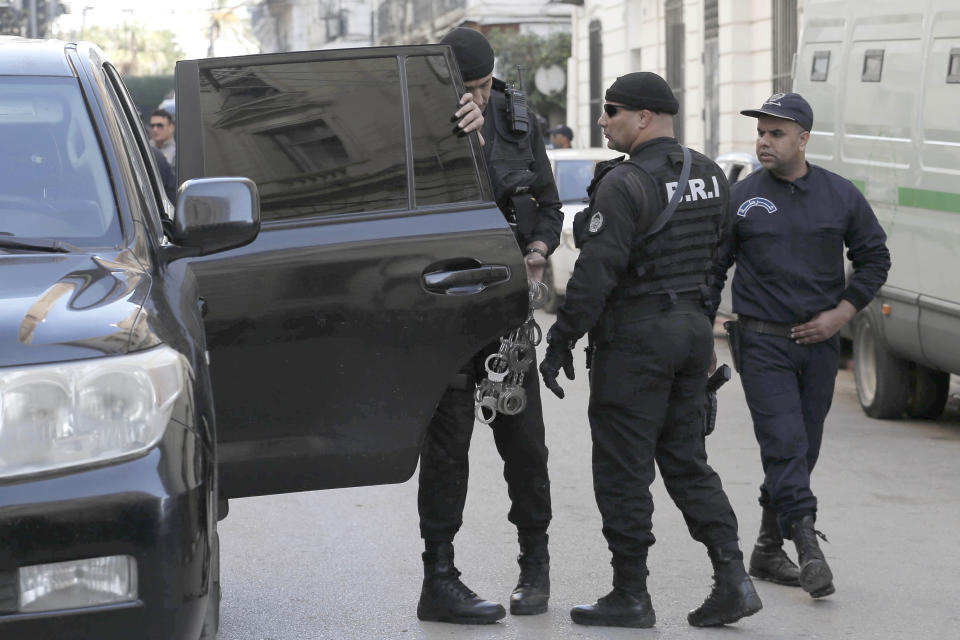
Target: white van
(883, 78)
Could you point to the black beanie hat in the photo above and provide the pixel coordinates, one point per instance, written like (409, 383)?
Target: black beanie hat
(643, 90)
(473, 52)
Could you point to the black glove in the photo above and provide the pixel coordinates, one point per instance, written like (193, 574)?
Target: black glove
(559, 356)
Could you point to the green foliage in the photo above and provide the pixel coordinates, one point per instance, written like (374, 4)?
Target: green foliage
(148, 91)
(531, 52)
(14, 21)
(136, 50)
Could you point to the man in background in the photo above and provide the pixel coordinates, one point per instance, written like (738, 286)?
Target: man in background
(561, 137)
(162, 128)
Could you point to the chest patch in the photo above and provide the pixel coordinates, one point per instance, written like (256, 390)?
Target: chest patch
(755, 202)
(596, 223)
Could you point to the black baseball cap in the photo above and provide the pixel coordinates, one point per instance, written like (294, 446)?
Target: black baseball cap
(563, 130)
(643, 90)
(791, 106)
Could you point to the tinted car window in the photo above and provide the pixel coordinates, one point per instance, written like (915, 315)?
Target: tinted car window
(53, 180)
(573, 177)
(317, 139)
(444, 169)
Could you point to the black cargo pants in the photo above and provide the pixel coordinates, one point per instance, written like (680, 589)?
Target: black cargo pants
(444, 459)
(789, 389)
(647, 404)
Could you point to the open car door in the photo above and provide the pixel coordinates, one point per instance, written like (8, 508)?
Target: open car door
(381, 266)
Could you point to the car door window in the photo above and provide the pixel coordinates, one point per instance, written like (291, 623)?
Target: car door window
(317, 139)
(444, 166)
(133, 161)
(138, 127)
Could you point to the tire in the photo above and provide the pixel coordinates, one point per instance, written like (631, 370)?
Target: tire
(551, 300)
(929, 391)
(211, 622)
(883, 379)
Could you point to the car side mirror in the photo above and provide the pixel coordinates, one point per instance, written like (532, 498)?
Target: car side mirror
(215, 214)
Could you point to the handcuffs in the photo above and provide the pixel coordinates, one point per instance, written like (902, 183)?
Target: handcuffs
(502, 390)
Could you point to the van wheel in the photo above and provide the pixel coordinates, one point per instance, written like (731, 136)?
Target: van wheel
(211, 622)
(883, 380)
(551, 301)
(928, 392)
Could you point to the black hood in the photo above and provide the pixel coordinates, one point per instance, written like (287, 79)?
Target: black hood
(66, 307)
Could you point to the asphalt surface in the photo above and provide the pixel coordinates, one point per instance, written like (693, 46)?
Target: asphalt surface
(345, 564)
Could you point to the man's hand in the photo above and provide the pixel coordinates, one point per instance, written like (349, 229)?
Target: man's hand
(559, 356)
(535, 260)
(824, 325)
(469, 117)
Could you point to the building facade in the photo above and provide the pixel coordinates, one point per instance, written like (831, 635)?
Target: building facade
(294, 25)
(719, 56)
(417, 21)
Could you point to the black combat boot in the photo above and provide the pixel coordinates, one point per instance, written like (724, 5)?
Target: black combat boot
(444, 598)
(815, 575)
(533, 588)
(769, 561)
(732, 596)
(628, 605)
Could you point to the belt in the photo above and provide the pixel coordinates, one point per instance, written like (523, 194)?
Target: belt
(659, 303)
(778, 329)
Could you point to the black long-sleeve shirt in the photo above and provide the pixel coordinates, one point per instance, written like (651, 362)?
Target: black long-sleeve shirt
(544, 189)
(787, 239)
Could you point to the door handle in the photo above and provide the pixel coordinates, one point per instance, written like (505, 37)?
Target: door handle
(465, 281)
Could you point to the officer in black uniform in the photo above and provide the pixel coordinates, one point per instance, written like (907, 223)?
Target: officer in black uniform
(642, 294)
(525, 191)
(790, 221)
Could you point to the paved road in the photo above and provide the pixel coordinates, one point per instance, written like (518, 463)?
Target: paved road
(345, 564)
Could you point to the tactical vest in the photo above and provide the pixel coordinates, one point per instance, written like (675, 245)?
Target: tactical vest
(676, 260)
(510, 161)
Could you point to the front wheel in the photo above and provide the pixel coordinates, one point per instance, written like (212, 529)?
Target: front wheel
(211, 622)
(883, 379)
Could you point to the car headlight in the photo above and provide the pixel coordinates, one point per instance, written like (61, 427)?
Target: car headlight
(85, 412)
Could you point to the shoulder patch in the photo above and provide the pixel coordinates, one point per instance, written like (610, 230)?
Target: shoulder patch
(755, 202)
(596, 223)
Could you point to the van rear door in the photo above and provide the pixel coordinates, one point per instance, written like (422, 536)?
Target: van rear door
(381, 264)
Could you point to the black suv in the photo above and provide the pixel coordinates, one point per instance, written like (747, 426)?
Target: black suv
(317, 305)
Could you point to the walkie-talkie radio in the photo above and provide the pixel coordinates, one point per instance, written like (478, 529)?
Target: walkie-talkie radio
(517, 106)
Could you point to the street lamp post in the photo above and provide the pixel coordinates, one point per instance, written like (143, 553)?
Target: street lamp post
(33, 19)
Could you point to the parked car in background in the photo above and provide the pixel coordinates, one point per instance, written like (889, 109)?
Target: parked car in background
(573, 171)
(321, 303)
(737, 165)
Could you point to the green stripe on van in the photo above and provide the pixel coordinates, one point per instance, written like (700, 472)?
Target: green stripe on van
(924, 199)
(860, 184)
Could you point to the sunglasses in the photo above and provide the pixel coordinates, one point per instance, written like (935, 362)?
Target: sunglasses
(612, 109)
(157, 125)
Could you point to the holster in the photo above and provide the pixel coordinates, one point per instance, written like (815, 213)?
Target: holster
(733, 329)
(717, 380)
(526, 210)
(589, 349)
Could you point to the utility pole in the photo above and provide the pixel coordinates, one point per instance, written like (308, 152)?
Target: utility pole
(33, 19)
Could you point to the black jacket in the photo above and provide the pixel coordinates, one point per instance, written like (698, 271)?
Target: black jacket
(521, 159)
(787, 239)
